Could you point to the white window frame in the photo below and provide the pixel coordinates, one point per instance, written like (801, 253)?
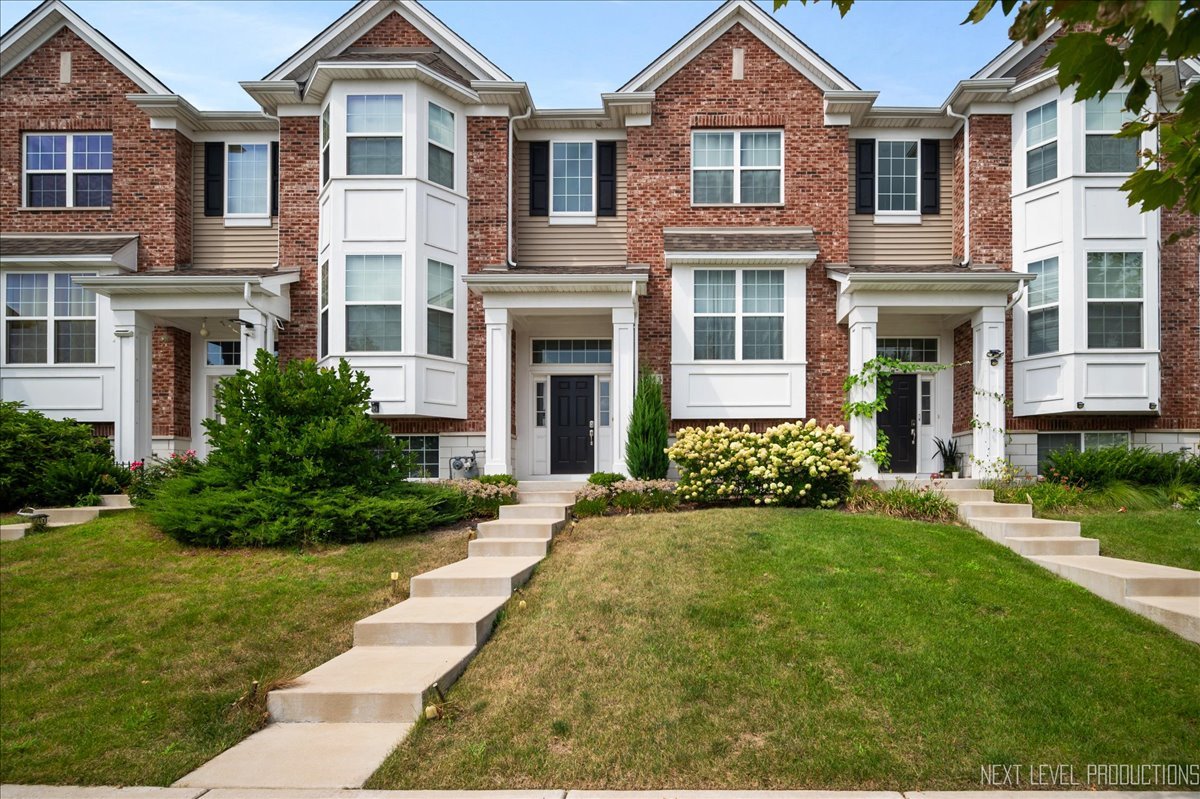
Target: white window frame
(323, 314)
(575, 217)
(1041, 144)
(1083, 437)
(452, 150)
(603, 402)
(404, 160)
(1104, 132)
(347, 303)
(452, 310)
(252, 219)
(326, 137)
(737, 167)
(915, 213)
(738, 314)
(541, 403)
(1088, 300)
(69, 172)
(50, 318)
(1030, 308)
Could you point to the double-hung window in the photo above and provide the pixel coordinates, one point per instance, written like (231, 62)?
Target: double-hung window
(440, 309)
(1048, 443)
(1114, 300)
(572, 178)
(896, 182)
(374, 293)
(1103, 151)
(48, 319)
(1042, 321)
(737, 167)
(441, 146)
(375, 134)
(68, 170)
(248, 180)
(325, 137)
(738, 311)
(1041, 144)
(323, 344)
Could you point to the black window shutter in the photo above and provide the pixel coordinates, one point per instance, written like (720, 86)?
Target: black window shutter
(214, 178)
(931, 200)
(274, 178)
(864, 176)
(606, 178)
(539, 178)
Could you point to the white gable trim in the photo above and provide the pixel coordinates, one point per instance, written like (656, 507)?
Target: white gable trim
(761, 24)
(368, 13)
(51, 17)
(1012, 54)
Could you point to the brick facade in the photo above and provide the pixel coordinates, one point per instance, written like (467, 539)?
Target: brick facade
(392, 31)
(299, 230)
(991, 188)
(172, 383)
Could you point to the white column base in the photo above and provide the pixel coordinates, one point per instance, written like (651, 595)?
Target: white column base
(624, 382)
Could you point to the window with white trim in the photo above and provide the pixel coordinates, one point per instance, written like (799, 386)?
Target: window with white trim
(375, 134)
(737, 167)
(1103, 151)
(1114, 300)
(540, 403)
(223, 353)
(737, 314)
(325, 137)
(41, 327)
(247, 179)
(67, 170)
(604, 401)
(441, 146)
(1042, 316)
(424, 452)
(896, 176)
(1041, 143)
(1048, 443)
(374, 295)
(572, 178)
(440, 309)
(926, 401)
(323, 343)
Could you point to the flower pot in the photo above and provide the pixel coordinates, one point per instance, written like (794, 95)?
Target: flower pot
(954, 475)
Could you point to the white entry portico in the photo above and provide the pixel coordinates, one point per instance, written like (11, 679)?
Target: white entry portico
(561, 352)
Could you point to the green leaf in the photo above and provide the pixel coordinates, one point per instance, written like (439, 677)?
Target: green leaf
(1087, 61)
(1163, 12)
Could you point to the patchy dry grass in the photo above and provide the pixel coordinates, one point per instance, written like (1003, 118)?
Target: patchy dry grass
(124, 652)
(754, 648)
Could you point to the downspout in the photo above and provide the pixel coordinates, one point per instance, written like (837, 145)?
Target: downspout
(966, 182)
(508, 215)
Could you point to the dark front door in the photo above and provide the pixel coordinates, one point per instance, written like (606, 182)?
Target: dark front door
(572, 433)
(899, 422)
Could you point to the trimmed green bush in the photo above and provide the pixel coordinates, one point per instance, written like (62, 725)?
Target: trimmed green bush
(605, 479)
(646, 448)
(498, 480)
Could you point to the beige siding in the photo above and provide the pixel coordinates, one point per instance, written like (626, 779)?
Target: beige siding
(541, 244)
(214, 245)
(930, 242)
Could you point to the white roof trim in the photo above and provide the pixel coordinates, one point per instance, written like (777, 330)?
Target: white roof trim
(779, 257)
(48, 19)
(1014, 53)
(799, 55)
(375, 11)
(546, 283)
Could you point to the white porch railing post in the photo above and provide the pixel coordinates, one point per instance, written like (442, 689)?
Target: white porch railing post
(624, 381)
(135, 354)
(864, 328)
(498, 424)
(988, 402)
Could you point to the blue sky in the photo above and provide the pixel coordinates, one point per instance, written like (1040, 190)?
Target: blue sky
(913, 52)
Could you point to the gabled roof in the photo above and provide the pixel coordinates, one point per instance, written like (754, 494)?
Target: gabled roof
(1020, 60)
(761, 24)
(366, 14)
(22, 39)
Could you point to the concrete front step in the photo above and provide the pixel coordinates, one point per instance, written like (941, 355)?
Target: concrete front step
(1115, 579)
(431, 621)
(1179, 614)
(994, 510)
(12, 532)
(967, 494)
(473, 577)
(925, 482)
(550, 485)
(370, 684)
(508, 547)
(519, 528)
(540, 497)
(554, 512)
(119, 501)
(301, 756)
(998, 529)
(1053, 545)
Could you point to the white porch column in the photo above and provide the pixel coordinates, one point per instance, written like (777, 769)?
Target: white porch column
(624, 381)
(256, 335)
(134, 357)
(864, 329)
(988, 421)
(498, 425)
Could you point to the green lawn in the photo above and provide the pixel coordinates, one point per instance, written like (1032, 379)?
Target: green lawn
(123, 652)
(1169, 537)
(754, 648)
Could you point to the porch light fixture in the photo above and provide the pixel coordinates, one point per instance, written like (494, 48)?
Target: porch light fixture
(204, 328)
(994, 356)
(1154, 406)
(1079, 405)
(374, 407)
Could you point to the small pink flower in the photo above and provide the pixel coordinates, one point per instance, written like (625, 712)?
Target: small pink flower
(135, 465)
(191, 453)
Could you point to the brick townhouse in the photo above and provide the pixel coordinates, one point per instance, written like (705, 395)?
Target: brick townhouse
(739, 217)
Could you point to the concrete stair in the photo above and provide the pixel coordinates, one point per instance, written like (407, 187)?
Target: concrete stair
(68, 517)
(334, 725)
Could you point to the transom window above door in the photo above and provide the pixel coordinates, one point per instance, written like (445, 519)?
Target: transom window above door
(737, 167)
(909, 350)
(572, 350)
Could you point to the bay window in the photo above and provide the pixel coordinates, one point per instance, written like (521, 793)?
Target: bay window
(41, 327)
(374, 134)
(441, 146)
(1042, 321)
(1041, 144)
(323, 342)
(737, 310)
(1114, 300)
(737, 167)
(896, 182)
(1103, 152)
(572, 178)
(440, 309)
(374, 296)
(325, 137)
(68, 170)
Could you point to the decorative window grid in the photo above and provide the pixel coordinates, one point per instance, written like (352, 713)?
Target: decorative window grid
(572, 351)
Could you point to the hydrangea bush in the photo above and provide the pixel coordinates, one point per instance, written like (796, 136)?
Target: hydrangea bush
(796, 464)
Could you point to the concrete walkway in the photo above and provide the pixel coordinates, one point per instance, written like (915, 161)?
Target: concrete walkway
(66, 517)
(68, 792)
(1163, 594)
(336, 724)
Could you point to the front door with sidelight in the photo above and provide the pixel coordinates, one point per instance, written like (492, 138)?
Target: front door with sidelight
(572, 424)
(899, 422)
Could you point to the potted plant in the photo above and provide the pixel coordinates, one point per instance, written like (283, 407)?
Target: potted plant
(948, 450)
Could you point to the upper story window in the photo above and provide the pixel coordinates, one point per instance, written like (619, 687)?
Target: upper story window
(68, 170)
(896, 184)
(1041, 144)
(1103, 152)
(247, 180)
(738, 310)
(325, 146)
(1114, 300)
(40, 328)
(1043, 307)
(374, 134)
(737, 167)
(439, 288)
(374, 294)
(572, 178)
(441, 146)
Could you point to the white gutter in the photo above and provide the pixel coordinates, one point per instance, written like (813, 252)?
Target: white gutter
(508, 211)
(966, 182)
